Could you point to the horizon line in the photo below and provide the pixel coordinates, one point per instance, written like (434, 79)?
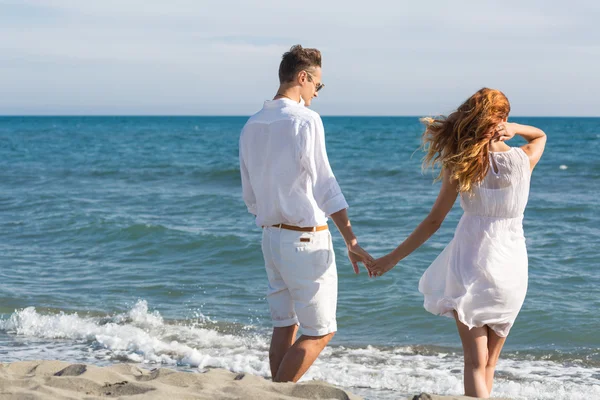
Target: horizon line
(248, 116)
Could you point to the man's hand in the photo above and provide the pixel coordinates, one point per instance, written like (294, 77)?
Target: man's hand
(357, 254)
(382, 265)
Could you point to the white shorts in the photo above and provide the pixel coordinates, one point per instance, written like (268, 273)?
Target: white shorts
(302, 279)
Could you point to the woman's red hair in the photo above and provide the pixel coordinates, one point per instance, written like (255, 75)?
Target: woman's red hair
(460, 142)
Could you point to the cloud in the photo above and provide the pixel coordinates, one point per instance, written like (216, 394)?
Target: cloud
(380, 57)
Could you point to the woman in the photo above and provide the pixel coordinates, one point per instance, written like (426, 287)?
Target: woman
(480, 279)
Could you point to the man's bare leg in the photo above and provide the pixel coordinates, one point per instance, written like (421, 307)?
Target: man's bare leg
(300, 357)
(281, 341)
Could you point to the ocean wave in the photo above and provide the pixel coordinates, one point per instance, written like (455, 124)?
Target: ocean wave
(388, 172)
(232, 173)
(121, 230)
(143, 336)
(128, 173)
(136, 231)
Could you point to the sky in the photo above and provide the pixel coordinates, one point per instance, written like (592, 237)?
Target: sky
(220, 57)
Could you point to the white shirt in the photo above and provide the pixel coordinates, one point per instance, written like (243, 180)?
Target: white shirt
(286, 176)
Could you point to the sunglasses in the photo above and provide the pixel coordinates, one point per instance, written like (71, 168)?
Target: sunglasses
(318, 86)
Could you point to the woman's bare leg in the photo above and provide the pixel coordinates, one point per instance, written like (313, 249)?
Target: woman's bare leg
(475, 349)
(495, 344)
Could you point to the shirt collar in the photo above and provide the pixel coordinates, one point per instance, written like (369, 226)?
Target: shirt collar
(282, 101)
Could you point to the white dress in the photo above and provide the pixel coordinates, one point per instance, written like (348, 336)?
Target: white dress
(482, 273)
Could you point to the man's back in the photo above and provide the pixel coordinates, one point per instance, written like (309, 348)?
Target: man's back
(285, 172)
(288, 184)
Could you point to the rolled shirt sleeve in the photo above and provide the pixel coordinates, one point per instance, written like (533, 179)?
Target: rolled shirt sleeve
(326, 191)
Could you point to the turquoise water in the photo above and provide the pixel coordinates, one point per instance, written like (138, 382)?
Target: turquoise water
(126, 239)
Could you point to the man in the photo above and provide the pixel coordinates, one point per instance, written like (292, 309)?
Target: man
(288, 184)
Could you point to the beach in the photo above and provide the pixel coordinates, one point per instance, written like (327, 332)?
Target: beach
(125, 240)
(57, 380)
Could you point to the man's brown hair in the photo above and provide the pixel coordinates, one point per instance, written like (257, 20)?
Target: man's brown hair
(296, 60)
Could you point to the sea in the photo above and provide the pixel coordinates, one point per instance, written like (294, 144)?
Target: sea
(125, 239)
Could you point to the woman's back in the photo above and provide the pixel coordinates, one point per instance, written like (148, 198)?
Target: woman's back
(482, 273)
(480, 279)
(505, 189)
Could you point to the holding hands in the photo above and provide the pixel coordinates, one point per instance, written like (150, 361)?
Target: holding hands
(374, 267)
(357, 254)
(382, 265)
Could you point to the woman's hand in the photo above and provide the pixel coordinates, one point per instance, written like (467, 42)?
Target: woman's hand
(383, 265)
(505, 131)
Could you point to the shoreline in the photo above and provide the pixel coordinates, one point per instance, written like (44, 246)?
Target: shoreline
(50, 379)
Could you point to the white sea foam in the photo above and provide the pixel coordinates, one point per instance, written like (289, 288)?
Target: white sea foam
(144, 337)
(563, 167)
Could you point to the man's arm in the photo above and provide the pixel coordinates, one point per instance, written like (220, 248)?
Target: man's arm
(326, 190)
(247, 192)
(356, 253)
(328, 193)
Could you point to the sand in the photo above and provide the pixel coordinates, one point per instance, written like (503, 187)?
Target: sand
(48, 380)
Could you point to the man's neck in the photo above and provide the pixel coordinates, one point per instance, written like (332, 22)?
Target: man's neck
(289, 93)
